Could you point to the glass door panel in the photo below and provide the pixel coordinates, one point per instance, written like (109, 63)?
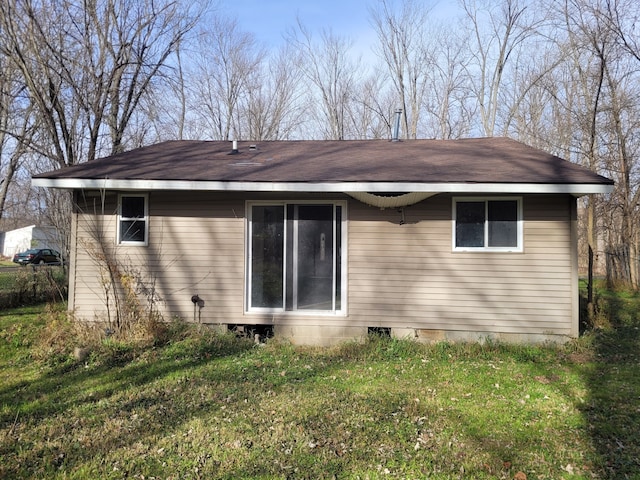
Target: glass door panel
(314, 245)
(267, 256)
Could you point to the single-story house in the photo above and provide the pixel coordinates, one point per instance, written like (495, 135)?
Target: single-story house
(325, 240)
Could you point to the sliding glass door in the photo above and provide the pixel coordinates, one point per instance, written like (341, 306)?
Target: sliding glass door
(295, 257)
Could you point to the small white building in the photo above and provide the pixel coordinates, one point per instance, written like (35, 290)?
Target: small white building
(24, 238)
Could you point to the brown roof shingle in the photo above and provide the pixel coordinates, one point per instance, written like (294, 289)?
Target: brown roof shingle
(481, 160)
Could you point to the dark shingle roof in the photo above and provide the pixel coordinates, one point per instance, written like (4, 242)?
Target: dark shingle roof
(481, 160)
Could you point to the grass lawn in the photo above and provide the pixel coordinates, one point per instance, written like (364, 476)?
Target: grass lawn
(212, 406)
(6, 262)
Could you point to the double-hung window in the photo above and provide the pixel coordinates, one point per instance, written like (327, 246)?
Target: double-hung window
(487, 224)
(133, 219)
(295, 260)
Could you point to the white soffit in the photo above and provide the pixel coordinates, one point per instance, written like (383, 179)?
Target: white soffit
(341, 187)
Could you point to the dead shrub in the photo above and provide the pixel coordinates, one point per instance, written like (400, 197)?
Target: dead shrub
(66, 340)
(62, 335)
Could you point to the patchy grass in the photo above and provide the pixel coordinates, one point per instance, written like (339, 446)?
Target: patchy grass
(6, 262)
(201, 405)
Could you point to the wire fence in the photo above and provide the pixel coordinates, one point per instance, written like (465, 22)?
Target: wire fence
(32, 284)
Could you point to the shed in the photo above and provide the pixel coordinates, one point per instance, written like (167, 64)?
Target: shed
(32, 236)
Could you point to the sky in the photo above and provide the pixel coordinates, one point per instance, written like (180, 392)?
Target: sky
(269, 20)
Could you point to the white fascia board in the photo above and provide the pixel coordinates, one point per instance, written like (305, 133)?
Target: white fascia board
(342, 187)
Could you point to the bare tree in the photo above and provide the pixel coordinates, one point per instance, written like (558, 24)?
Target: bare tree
(86, 66)
(228, 59)
(16, 127)
(449, 105)
(589, 83)
(593, 93)
(331, 75)
(497, 32)
(621, 71)
(28, 42)
(271, 108)
(622, 17)
(402, 43)
(373, 109)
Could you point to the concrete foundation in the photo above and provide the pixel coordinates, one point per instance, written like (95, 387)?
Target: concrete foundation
(435, 336)
(325, 336)
(319, 336)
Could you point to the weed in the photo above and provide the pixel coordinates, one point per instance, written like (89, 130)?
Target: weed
(58, 337)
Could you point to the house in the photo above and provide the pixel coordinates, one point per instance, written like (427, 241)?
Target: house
(324, 240)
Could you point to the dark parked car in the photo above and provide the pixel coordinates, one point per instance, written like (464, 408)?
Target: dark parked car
(38, 256)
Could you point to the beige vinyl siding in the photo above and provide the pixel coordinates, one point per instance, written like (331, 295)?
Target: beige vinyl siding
(403, 276)
(407, 276)
(196, 247)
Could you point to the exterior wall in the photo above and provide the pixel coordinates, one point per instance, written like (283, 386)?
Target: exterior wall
(403, 276)
(17, 240)
(196, 247)
(406, 276)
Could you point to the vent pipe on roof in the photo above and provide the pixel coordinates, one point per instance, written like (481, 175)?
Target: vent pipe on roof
(234, 147)
(396, 127)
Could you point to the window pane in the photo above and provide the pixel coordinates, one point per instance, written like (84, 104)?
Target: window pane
(132, 231)
(132, 207)
(503, 223)
(315, 257)
(470, 224)
(267, 256)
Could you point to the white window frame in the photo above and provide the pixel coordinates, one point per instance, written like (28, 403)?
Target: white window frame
(342, 311)
(144, 219)
(519, 226)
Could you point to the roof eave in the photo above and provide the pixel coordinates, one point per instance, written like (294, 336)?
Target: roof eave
(341, 187)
